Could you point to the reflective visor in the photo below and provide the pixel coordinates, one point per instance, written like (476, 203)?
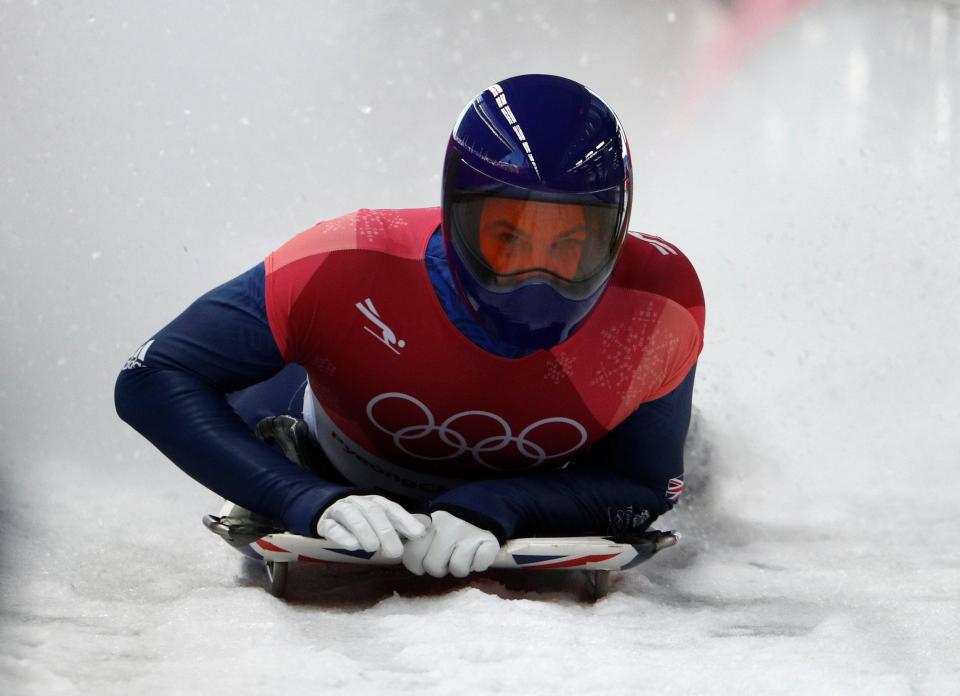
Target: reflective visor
(509, 241)
(507, 235)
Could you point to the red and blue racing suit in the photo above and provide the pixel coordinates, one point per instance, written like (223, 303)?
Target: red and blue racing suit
(356, 326)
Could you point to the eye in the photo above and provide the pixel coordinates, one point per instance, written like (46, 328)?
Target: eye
(511, 242)
(568, 244)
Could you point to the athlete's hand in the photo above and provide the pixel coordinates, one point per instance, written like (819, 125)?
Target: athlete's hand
(369, 522)
(450, 545)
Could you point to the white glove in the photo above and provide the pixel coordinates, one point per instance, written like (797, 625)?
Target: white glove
(450, 545)
(370, 522)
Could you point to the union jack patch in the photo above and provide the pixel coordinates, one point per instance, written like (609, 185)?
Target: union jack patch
(674, 489)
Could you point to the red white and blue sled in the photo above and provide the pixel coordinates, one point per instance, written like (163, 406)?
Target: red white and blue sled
(263, 540)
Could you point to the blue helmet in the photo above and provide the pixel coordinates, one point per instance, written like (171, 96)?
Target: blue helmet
(536, 202)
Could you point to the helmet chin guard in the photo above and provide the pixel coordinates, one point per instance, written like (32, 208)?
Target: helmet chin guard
(529, 316)
(536, 201)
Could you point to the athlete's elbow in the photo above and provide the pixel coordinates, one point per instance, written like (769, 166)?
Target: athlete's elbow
(130, 398)
(121, 397)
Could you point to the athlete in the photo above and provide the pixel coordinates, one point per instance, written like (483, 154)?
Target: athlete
(513, 363)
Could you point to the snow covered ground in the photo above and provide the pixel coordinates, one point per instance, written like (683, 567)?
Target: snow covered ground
(805, 155)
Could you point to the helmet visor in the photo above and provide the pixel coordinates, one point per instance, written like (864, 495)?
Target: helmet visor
(569, 242)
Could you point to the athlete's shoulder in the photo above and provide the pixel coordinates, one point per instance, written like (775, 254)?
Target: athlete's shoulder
(306, 273)
(402, 232)
(652, 264)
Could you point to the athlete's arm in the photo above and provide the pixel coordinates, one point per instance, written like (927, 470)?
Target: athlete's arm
(626, 481)
(176, 397)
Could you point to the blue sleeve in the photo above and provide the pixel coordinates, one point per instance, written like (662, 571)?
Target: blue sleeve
(173, 391)
(621, 485)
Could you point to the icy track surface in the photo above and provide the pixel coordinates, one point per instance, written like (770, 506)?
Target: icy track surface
(804, 155)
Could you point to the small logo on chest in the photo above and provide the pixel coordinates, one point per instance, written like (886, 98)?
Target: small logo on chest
(381, 332)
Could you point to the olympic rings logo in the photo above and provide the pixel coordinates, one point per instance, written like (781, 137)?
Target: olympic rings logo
(535, 454)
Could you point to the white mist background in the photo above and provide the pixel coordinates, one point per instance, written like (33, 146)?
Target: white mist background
(151, 152)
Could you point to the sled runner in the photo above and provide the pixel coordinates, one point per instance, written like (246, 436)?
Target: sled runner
(263, 540)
